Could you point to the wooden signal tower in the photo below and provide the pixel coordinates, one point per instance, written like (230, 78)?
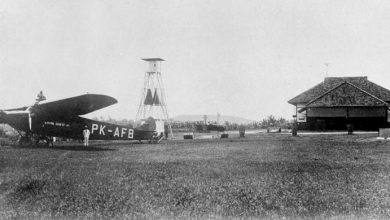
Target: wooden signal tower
(152, 102)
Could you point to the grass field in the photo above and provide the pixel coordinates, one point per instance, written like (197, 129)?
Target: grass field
(263, 176)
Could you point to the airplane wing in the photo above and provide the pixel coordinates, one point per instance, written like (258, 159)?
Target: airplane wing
(17, 109)
(74, 106)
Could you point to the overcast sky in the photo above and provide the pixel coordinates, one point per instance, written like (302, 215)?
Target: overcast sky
(242, 58)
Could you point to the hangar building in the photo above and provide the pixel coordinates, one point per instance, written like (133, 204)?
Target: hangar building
(338, 101)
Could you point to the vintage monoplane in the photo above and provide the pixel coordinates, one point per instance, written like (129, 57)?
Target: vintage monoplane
(44, 120)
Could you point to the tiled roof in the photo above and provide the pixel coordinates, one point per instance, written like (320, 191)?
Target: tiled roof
(340, 96)
(332, 82)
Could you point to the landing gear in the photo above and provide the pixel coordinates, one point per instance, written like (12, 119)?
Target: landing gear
(25, 141)
(156, 138)
(34, 140)
(25, 138)
(48, 141)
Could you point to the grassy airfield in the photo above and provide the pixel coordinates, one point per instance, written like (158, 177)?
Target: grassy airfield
(261, 176)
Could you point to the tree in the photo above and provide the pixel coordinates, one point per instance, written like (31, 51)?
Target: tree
(271, 121)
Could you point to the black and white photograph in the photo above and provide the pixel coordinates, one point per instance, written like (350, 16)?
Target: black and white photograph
(195, 109)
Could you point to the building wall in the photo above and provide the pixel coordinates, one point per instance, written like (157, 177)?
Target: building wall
(347, 112)
(336, 118)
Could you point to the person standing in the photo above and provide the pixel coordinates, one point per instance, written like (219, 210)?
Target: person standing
(40, 97)
(86, 134)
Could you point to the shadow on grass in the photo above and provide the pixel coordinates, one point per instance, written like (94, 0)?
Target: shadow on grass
(93, 146)
(121, 143)
(67, 147)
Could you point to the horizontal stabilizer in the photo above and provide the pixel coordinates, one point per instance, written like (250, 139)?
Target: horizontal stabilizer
(148, 124)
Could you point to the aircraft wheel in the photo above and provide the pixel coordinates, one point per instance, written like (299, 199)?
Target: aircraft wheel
(25, 141)
(35, 140)
(48, 142)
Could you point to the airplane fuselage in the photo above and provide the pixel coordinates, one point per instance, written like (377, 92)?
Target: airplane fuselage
(98, 130)
(62, 118)
(61, 128)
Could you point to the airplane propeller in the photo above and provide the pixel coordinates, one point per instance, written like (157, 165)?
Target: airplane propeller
(29, 113)
(29, 121)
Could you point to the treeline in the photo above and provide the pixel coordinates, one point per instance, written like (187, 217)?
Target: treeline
(272, 121)
(269, 121)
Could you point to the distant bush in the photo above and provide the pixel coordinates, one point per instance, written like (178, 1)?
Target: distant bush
(5, 142)
(272, 121)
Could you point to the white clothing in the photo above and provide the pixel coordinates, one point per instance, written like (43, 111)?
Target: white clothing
(86, 134)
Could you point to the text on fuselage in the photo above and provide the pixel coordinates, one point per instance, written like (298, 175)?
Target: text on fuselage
(59, 124)
(118, 132)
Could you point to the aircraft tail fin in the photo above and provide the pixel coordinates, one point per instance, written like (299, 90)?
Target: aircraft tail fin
(148, 124)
